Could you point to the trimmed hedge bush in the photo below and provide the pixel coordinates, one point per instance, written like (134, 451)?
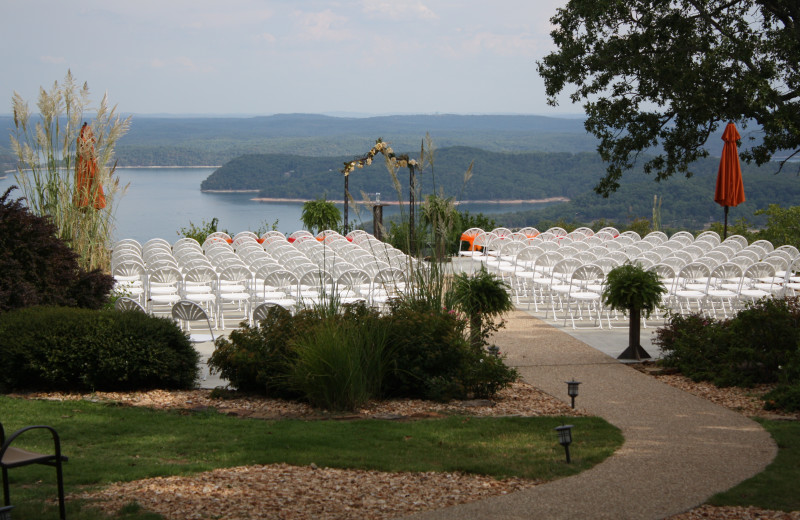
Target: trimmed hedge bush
(62, 348)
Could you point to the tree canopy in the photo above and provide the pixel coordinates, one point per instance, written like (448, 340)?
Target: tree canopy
(667, 73)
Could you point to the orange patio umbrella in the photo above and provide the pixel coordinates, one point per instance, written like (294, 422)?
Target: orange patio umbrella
(730, 189)
(86, 186)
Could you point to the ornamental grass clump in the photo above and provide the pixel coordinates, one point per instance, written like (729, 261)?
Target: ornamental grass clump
(47, 153)
(341, 363)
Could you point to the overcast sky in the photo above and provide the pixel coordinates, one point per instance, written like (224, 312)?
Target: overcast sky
(279, 56)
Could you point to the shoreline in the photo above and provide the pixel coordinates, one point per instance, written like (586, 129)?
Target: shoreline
(163, 167)
(396, 203)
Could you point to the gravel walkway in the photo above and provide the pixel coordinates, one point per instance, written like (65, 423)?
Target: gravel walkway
(679, 449)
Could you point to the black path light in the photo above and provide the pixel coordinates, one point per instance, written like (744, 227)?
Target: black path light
(572, 390)
(565, 438)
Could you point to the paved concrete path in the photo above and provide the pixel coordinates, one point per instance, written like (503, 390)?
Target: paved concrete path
(678, 451)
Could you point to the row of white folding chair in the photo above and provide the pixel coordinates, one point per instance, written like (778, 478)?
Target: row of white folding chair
(286, 288)
(696, 286)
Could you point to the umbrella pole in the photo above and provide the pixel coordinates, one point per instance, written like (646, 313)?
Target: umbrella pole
(725, 227)
(346, 178)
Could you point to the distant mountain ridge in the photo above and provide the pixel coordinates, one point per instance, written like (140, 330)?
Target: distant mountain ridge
(193, 141)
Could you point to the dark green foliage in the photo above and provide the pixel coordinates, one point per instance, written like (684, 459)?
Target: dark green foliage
(200, 232)
(786, 396)
(319, 215)
(60, 348)
(429, 347)
(630, 287)
(258, 359)
(759, 345)
(36, 268)
(482, 296)
(335, 360)
(694, 345)
(670, 73)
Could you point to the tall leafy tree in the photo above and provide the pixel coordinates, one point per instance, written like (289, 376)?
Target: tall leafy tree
(669, 72)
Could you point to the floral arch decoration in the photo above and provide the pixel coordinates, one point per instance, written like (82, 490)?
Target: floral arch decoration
(398, 161)
(401, 161)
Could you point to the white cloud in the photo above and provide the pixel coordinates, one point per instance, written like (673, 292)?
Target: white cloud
(503, 44)
(181, 64)
(399, 9)
(265, 38)
(226, 18)
(322, 26)
(56, 60)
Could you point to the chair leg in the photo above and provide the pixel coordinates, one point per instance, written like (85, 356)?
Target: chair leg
(6, 491)
(60, 481)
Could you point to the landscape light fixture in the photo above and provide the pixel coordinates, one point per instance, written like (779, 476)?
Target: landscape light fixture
(565, 438)
(572, 390)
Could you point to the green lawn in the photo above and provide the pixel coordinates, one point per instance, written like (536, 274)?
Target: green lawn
(108, 443)
(775, 487)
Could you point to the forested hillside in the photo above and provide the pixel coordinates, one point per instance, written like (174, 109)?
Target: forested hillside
(516, 176)
(494, 175)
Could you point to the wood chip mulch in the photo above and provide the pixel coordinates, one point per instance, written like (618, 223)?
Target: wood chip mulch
(291, 492)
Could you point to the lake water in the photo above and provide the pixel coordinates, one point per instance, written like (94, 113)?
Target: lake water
(160, 201)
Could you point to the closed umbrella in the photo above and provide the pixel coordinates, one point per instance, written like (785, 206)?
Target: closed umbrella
(87, 188)
(730, 189)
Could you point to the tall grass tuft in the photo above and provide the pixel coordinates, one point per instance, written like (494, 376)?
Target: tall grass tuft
(342, 362)
(46, 152)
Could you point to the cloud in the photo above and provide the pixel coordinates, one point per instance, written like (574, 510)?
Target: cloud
(399, 9)
(226, 18)
(322, 26)
(523, 44)
(55, 60)
(181, 64)
(265, 38)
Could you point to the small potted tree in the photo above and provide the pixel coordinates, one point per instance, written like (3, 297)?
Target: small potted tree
(633, 290)
(319, 215)
(482, 296)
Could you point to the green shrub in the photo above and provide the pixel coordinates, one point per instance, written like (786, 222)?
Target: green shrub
(764, 337)
(61, 348)
(433, 359)
(746, 350)
(258, 359)
(339, 360)
(693, 344)
(786, 396)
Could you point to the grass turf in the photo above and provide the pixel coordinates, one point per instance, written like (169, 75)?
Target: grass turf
(775, 487)
(109, 443)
